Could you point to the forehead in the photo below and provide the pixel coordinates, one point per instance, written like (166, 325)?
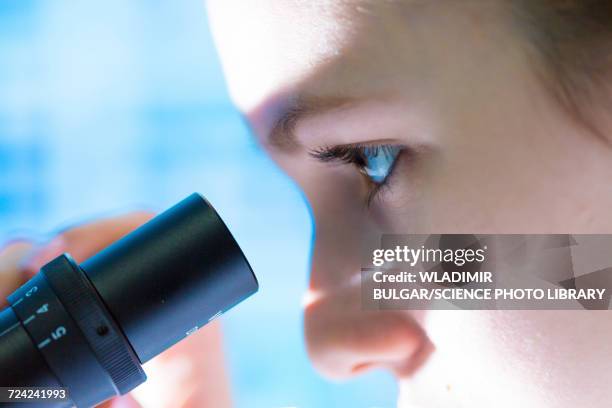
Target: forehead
(422, 53)
(269, 47)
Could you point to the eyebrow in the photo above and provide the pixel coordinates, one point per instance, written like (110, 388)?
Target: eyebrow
(282, 136)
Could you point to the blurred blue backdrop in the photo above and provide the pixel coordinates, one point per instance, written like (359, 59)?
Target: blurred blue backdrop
(107, 106)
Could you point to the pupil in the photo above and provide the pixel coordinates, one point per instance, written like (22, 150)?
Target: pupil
(379, 162)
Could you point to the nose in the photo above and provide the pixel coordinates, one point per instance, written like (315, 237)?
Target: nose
(344, 340)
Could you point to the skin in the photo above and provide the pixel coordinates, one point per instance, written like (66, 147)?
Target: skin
(491, 151)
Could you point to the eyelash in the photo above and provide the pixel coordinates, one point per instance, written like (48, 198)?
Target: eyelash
(356, 155)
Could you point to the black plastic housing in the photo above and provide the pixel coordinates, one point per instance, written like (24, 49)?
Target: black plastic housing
(89, 327)
(171, 276)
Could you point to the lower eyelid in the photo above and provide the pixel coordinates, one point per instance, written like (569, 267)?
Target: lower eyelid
(408, 179)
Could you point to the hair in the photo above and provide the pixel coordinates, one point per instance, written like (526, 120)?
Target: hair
(573, 41)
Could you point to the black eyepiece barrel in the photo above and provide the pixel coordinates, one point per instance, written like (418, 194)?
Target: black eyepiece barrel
(89, 328)
(171, 276)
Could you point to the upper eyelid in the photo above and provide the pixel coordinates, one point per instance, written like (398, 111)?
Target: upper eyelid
(331, 153)
(327, 154)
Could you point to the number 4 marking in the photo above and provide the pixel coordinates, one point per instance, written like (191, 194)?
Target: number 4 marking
(43, 309)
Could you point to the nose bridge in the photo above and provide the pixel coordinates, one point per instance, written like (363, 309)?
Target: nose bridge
(344, 339)
(341, 234)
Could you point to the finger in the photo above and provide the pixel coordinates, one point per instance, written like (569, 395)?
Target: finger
(11, 276)
(39, 255)
(85, 240)
(125, 401)
(190, 374)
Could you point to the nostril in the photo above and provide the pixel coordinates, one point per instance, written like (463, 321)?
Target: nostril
(345, 342)
(404, 362)
(359, 368)
(416, 361)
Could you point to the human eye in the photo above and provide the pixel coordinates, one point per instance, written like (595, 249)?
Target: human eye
(376, 162)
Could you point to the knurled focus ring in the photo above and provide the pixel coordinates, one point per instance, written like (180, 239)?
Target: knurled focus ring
(107, 341)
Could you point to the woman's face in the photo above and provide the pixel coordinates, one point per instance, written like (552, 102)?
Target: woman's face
(424, 117)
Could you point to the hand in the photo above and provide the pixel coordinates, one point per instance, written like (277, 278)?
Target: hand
(190, 374)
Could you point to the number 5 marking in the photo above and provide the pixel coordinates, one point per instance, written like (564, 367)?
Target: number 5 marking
(59, 332)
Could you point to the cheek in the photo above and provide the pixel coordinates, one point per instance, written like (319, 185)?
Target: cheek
(400, 205)
(515, 358)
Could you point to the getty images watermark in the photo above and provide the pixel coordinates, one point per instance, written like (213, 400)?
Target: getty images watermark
(451, 271)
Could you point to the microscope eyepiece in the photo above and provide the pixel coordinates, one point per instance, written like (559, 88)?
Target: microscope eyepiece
(89, 327)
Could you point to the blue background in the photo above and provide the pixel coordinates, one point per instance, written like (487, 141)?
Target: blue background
(113, 105)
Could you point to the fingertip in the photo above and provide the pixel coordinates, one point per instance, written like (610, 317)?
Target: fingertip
(124, 401)
(42, 255)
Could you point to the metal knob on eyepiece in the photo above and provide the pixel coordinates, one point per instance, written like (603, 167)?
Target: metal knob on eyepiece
(88, 328)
